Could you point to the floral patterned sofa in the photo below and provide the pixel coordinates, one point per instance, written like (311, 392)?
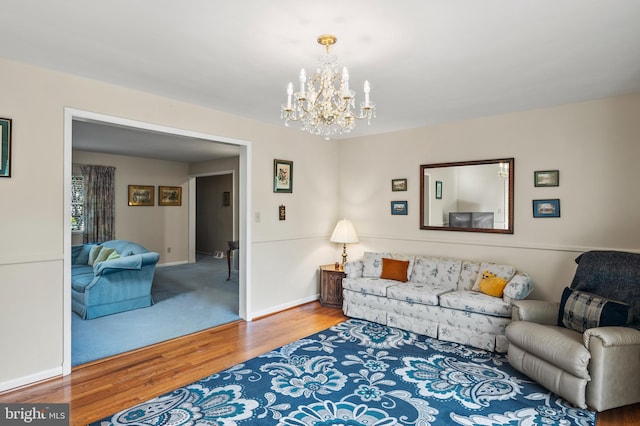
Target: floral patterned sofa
(441, 298)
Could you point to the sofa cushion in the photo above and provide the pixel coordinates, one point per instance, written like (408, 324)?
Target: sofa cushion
(114, 255)
(353, 269)
(580, 311)
(94, 252)
(104, 254)
(503, 271)
(436, 272)
(468, 275)
(81, 269)
(417, 293)
(377, 286)
(518, 288)
(372, 264)
(472, 301)
(81, 279)
(83, 254)
(393, 269)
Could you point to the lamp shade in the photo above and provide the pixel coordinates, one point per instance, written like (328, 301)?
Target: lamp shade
(344, 233)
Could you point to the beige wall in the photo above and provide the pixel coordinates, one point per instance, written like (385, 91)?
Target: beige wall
(594, 145)
(158, 228)
(32, 228)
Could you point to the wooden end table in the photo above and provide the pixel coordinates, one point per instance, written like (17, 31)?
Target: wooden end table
(331, 285)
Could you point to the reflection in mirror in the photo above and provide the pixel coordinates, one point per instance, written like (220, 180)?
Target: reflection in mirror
(471, 196)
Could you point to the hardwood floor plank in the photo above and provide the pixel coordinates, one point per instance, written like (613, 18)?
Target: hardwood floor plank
(104, 387)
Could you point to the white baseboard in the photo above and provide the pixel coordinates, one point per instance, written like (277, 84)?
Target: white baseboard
(30, 379)
(162, 265)
(283, 307)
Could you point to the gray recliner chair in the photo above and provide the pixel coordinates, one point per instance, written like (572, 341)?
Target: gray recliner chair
(571, 348)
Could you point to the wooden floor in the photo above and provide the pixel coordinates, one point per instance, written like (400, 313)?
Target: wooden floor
(104, 387)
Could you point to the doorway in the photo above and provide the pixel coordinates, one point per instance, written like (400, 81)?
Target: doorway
(244, 189)
(214, 213)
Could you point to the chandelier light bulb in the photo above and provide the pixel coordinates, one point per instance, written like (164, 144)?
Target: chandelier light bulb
(289, 93)
(325, 105)
(345, 80)
(367, 90)
(303, 80)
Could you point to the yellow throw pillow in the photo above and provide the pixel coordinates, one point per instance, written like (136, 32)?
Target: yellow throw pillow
(393, 269)
(492, 285)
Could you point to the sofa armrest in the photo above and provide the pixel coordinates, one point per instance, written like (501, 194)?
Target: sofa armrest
(134, 261)
(538, 311)
(613, 367)
(126, 262)
(353, 269)
(150, 258)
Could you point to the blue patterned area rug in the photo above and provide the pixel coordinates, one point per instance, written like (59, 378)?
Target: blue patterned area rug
(360, 373)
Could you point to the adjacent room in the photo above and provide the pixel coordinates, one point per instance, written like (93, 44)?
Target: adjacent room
(364, 212)
(180, 297)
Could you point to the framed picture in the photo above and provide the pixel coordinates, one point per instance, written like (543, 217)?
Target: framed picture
(398, 184)
(399, 207)
(5, 147)
(546, 178)
(546, 208)
(282, 176)
(141, 195)
(169, 195)
(438, 190)
(226, 198)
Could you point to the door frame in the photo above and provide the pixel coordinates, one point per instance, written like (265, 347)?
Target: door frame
(244, 198)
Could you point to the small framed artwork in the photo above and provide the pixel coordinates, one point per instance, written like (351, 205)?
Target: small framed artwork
(546, 208)
(226, 198)
(438, 190)
(398, 184)
(141, 195)
(546, 178)
(282, 176)
(5, 147)
(282, 212)
(398, 207)
(169, 195)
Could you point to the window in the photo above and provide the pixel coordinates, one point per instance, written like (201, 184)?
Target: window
(77, 203)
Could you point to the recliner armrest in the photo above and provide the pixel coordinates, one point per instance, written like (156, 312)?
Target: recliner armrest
(613, 367)
(612, 336)
(538, 311)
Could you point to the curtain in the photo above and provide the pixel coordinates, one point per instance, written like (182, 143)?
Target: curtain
(99, 205)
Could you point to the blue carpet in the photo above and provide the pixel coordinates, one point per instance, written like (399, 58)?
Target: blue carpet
(359, 373)
(188, 298)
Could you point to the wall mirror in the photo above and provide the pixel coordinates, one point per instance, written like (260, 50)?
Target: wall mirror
(469, 196)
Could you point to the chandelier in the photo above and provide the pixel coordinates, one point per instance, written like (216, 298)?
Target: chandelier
(321, 107)
(503, 170)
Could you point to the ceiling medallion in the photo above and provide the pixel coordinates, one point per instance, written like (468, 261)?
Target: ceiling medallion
(321, 107)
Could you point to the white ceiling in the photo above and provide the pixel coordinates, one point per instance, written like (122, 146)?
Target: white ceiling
(428, 61)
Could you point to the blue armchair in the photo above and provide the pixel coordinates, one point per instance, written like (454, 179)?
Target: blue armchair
(105, 282)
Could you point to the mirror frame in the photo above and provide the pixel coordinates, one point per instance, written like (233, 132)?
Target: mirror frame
(511, 163)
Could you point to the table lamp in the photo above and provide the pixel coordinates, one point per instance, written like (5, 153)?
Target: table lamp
(344, 233)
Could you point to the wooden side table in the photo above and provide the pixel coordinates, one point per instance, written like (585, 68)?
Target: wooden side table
(331, 286)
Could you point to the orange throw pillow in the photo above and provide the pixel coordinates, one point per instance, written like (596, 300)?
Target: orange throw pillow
(393, 269)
